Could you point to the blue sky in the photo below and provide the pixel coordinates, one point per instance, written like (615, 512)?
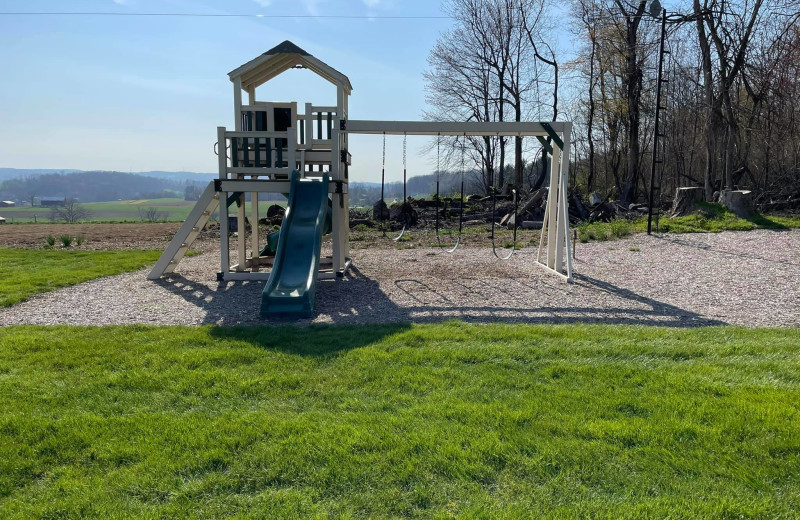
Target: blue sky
(147, 93)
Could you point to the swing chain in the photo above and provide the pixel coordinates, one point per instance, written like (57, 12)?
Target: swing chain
(405, 137)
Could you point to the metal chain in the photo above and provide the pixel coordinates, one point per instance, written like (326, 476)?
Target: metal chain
(405, 136)
(438, 143)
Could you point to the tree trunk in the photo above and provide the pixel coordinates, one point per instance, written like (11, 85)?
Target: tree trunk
(685, 200)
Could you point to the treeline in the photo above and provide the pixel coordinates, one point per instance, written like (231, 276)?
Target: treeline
(418, 186)
(98, 186)
(730, 102)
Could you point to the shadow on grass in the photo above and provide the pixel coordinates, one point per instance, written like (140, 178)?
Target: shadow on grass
(314, 341)
(765, 222)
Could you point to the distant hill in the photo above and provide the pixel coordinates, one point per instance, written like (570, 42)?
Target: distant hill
(98, 186)
(16, 173)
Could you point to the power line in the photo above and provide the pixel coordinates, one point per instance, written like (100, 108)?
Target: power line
(229, 15)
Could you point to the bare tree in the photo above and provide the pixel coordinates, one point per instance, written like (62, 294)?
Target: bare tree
(152, 214)
(71, 212)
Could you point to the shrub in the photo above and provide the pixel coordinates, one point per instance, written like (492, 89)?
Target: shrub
(79, 240)
(51, 240)
(66, 240)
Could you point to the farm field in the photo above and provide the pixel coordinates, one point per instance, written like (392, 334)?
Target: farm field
(424, 421)
(170, 210)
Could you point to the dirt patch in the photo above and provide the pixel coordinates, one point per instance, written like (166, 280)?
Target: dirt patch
(95, 236)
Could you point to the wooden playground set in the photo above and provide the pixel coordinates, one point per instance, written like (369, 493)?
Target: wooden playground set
(276, 149)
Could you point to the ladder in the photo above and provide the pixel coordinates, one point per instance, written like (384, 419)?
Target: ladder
(188, 232)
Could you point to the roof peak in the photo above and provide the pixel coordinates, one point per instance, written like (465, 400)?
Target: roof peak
(286, 47)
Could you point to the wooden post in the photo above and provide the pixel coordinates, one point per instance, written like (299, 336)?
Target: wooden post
(338, 211)
(552, 207)
(254, 228)
(223, 202)
(562, 223)
(309, 127)
(241, 244)
(564, 183)
(237, 104)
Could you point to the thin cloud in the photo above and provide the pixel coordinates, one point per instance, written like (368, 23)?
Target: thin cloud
(263, 3)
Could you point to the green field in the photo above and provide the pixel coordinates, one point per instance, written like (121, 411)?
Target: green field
(433, 421)
(27, 272)
(169, 210)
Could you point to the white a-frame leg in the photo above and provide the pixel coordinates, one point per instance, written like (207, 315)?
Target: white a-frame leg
(191, 227)
(555, 226)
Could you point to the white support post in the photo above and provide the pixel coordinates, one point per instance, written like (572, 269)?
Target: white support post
(251, 96)
(223, 202)
(291, 159)
(552, 207)
(241, 242)
(335, 172)
(270, 107)
(339, 211)
(309, 126)
(254, 227)
(564, 201)
(237, 104)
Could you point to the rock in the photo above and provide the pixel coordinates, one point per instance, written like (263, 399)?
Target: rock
(275, 211)
(595, 199)
(685, 200)
(739, 202)
(403, 213)
(380, 211)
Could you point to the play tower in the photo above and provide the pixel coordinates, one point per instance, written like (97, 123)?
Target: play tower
(302, 152)
(269, 142)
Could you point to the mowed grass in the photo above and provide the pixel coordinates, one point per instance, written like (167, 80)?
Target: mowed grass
(168, 210)
(427, 421)
(710, 218)
(27, 272)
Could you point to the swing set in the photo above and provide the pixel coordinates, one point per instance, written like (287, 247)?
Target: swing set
(493, 191)
(276, 149)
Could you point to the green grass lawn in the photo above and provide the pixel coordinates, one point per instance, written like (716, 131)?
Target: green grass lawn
(26, 272)
(429, 421)
(169, 210)
(710, 218)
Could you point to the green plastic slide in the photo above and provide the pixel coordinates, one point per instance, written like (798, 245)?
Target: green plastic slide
(292, 284)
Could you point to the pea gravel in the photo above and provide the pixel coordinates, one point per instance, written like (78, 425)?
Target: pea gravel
(742, 278)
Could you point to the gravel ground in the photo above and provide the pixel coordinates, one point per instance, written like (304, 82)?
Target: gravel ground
(746, 278)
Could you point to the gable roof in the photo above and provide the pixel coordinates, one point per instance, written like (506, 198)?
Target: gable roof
(281, 58)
